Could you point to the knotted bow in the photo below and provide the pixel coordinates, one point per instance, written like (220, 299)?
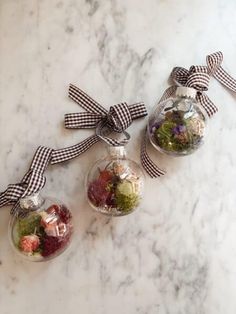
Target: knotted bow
(32, 182)
(117, 119)
(196, 77)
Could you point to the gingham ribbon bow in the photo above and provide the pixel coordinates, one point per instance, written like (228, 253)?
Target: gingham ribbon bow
(117, 119)
(196, 77)
(32, 182)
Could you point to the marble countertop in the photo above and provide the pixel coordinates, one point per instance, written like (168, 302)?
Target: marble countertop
(177, 254)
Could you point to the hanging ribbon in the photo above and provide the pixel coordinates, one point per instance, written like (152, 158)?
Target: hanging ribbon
(32, 182)
(196, 77)
(214, 62)
(117, 119)
(146, 161)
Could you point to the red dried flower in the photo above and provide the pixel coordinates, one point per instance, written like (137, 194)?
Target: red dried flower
(64, 214)
(52, 244)
(98, 192)
(105, 175)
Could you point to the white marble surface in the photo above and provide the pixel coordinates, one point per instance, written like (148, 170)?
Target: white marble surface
(177, 254)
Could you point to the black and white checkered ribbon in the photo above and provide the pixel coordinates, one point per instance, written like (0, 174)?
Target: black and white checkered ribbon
(117, 119)
(150, 167)
(196, 77)
(214, 62)
(32, 182)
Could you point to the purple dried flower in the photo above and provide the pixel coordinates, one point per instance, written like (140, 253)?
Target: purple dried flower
(179, 129)
(154, 126)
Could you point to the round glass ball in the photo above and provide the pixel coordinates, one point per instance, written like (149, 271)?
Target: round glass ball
(42, 229)
(115, 184)
(177, 125)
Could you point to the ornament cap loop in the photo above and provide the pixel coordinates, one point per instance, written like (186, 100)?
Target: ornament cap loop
(31, 202)
(102, 131)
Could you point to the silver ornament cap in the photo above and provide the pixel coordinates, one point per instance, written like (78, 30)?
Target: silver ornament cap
(31, 202)
(183, 91)
(117, 151)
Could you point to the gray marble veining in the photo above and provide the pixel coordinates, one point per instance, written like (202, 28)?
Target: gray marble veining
(177, 254)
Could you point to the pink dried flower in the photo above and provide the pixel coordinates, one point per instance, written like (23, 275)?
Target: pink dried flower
(29, 243)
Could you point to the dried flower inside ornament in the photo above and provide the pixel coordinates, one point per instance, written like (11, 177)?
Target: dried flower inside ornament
(115, 184)
(177, 125)
(45, 229)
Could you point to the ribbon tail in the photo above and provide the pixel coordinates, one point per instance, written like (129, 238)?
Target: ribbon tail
(3, 200)
(225, 79)
(214, 61)
(64, 154)
(149, 166)
(207, 104)
(16, 208)
(169, 92)
(11, 194)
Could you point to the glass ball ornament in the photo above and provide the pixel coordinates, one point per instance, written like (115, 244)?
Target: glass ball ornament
(177, 125)
(43, 230)
(115, 184)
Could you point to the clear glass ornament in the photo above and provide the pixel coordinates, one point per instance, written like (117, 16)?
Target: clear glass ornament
(115, 184)
(177, 125)
(43, 231)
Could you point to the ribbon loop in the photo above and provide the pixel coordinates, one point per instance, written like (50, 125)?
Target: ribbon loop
(85, 101)
(117, 119)
(198, 78)
(214, 61)
(180, 76)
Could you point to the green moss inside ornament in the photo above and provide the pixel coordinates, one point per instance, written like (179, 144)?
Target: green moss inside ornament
(28, 225)
(126, 196)
(42, 233)
(176, 133)
(115, 184)
(177, 125)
